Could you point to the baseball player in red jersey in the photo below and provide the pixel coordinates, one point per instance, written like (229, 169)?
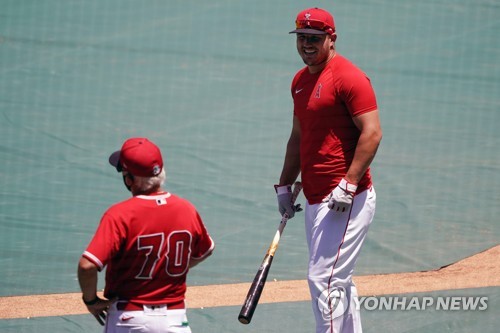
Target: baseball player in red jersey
(335, 135)
(147, 243)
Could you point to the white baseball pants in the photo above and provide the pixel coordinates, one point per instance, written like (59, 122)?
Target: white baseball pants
(335, 240)
(150, 320)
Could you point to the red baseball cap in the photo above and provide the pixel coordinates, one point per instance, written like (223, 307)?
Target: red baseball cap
(139, 156)
(314, 21)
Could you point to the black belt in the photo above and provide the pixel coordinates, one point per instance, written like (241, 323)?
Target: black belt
(134, 306)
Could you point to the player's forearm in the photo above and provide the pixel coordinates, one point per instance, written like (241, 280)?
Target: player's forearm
(87, 278)
(291, 170)
(291, 165)
(289, 175)
(365, 153)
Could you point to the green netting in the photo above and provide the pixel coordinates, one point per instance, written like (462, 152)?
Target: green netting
(209, 82)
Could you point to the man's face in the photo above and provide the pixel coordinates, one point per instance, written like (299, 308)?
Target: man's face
(314, 49)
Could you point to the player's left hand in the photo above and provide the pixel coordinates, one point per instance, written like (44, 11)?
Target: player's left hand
(285, 206)
(99, 308)
(341, 197)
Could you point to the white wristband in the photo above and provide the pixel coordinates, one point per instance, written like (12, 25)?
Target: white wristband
(283, 189)
(348, 187)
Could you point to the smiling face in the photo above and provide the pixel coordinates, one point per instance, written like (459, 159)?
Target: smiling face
(316, 50)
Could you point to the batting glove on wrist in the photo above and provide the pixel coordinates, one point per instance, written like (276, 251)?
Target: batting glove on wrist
(284, 194)
(341, 197)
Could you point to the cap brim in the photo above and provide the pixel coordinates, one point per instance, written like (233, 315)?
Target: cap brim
(308, 31)
(114, 160)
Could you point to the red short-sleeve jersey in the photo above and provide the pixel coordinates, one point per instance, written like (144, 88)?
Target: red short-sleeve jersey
(146, 244)
(325, 104)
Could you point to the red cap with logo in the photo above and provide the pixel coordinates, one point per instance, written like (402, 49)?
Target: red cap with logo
(314, 21)
(139, 156)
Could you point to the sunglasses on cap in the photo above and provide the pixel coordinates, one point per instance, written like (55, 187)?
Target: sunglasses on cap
(313, 24)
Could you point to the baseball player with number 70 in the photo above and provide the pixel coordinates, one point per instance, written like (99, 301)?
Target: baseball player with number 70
(335, 135)
(148, 244)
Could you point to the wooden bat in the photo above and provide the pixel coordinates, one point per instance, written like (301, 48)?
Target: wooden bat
(259, 281)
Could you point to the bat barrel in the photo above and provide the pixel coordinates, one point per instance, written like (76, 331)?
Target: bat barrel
(255, 291)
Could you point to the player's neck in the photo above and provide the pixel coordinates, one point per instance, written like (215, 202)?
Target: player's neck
(156, 191)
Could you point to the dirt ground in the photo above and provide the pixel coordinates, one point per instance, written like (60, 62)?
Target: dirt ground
(478, 271)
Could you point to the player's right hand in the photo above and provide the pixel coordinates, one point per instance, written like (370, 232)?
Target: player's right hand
(342, 196)
(99, 308)
(284, 194)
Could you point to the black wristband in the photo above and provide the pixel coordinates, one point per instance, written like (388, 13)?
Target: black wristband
(92, 302)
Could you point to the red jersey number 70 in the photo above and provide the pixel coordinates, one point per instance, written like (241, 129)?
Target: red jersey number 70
(177, 253)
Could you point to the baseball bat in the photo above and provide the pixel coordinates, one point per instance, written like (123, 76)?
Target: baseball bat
(259, 281)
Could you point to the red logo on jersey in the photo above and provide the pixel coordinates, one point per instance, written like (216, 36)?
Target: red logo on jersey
(318, 91)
